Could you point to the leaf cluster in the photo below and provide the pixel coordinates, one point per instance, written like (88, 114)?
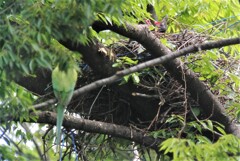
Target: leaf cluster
(226, 148)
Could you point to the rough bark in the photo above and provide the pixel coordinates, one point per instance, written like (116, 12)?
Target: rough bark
(93, 56)
(38, 84)
(99, 127)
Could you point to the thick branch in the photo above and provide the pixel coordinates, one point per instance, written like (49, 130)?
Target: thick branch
(92, 55)
(99, 127)
(39, 83)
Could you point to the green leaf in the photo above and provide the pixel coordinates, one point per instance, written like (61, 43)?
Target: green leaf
(42, 62)
(126, 78)
(196, 111)
(129, 61)
(24, 67)
(210, 125)
(238, 115)
(204, 124)
(135, 78)
(32, 65)
(115, 65)
(29, 136)
(19, 133)
(221, 130)
(203, 140)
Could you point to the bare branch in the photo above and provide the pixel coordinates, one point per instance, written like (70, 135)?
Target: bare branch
(99, 127)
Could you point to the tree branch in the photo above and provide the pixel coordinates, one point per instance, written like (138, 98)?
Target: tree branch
(38, 84)
(99, 127)
(92, 56)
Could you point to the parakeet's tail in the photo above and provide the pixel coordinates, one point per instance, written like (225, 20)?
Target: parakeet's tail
(60, 114)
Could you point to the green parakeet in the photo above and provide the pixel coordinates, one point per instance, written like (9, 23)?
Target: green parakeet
(64, 78)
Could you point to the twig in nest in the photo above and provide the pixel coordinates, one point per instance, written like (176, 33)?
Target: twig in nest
(145, 95)
(90, 110)
(185, 105)
(161, 103)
